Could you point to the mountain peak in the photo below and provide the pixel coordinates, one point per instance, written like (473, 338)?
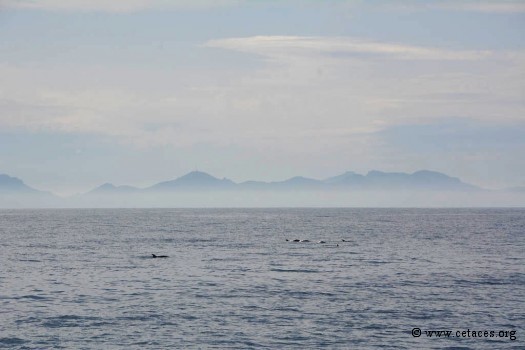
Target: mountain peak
(109, 188)
(300, 181)
(9, 183)
(373, 173)
(347, 178)
(6, 179)
(197, 175)
(194, 180)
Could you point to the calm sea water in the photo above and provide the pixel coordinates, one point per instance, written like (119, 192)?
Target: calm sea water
(84, 279)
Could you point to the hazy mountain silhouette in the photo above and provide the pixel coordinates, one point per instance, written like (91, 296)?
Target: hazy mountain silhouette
(13, 184)
(14, 193)
(378, 180)
(294, 183)
(348, 179)
(374, 180)
(199, 189)
(196, 180)
(9, 184)
(298, 182)
(109, 189)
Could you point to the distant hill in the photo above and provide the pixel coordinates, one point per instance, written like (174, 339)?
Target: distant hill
(373, 180)
(196, 180)
(347, 179)
(379, 180)
(14, 193)
(420, 180)
(298, 182)
(14, 185)
(294, 183)
(109, 189)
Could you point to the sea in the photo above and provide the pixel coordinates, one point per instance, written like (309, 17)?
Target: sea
(235, 279)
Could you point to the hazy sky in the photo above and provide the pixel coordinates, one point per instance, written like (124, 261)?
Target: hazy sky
(139, 91)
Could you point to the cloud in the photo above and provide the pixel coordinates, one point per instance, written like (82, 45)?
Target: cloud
(334, 90)
(380, 83)
(125, 6)
(491, 7)
(483, 6)
(117, 6)
(284, 46)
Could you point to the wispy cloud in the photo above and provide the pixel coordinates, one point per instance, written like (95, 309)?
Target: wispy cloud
(483, 6)
(117, 6)
(123, 6)
(282, 46)
(488, 6)
(331, 88)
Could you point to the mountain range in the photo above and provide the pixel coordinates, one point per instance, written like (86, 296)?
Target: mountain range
(297, 190)
(374, 180)
(198, 181)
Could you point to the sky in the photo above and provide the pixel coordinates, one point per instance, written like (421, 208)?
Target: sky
(141, 91)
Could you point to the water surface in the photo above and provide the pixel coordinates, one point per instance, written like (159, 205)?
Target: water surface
(85, 279)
